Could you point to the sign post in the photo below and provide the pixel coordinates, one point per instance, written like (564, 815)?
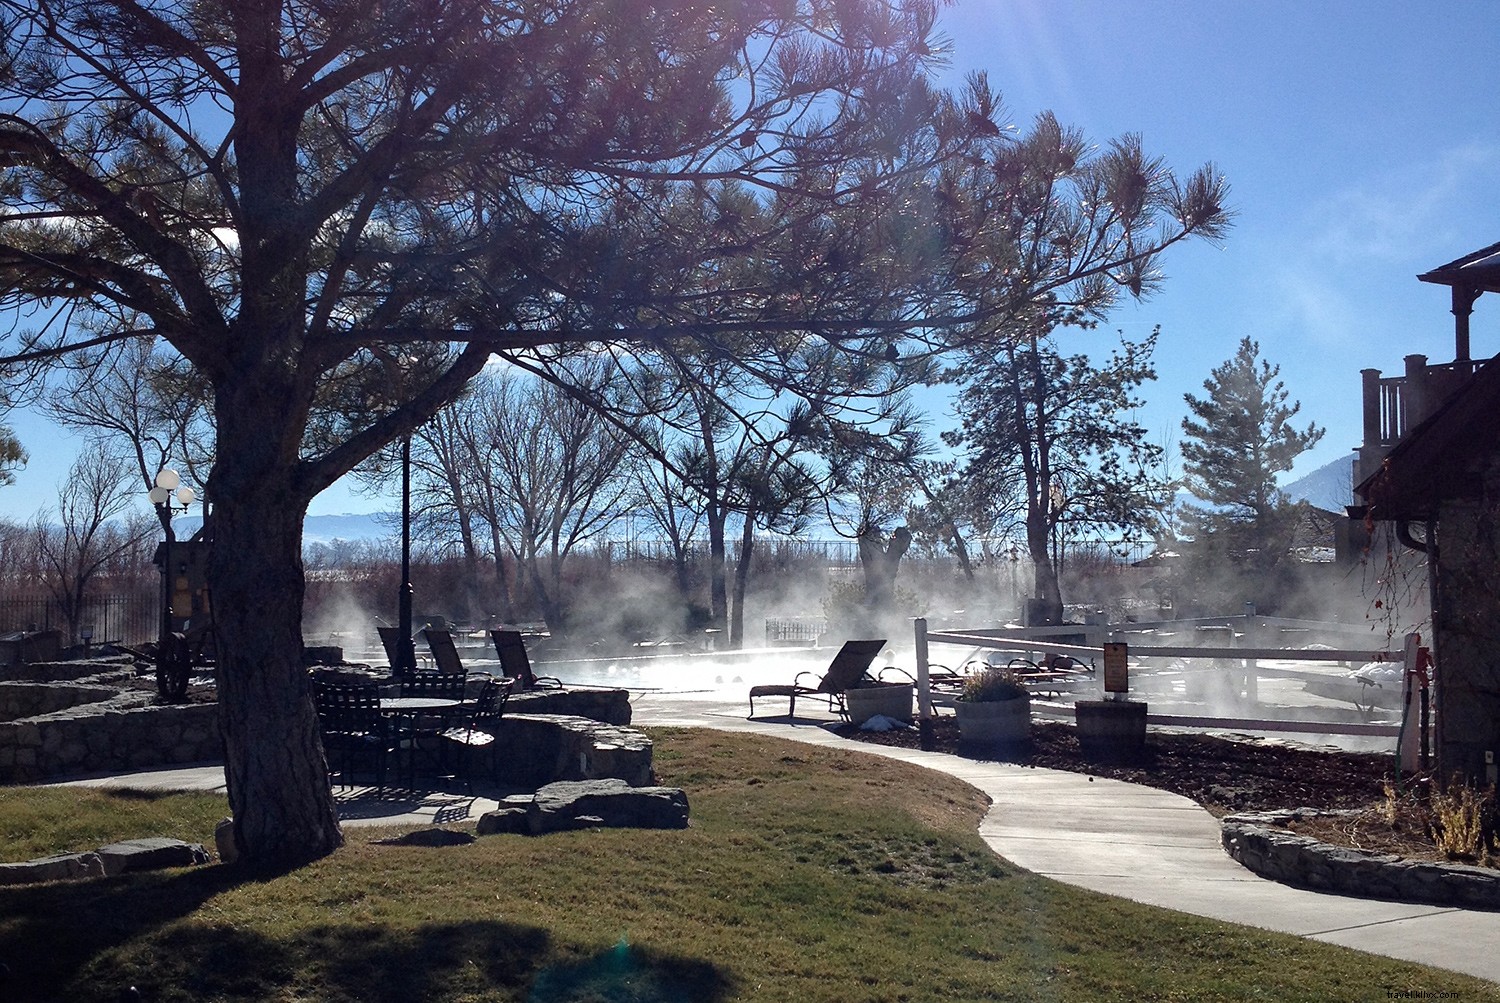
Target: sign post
(1116, 669)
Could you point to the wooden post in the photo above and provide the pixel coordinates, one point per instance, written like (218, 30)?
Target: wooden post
(1411, 718)
(1252, 640)
(924, 686)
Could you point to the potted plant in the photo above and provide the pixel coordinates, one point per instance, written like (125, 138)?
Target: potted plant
(872, 697)
(994, 707)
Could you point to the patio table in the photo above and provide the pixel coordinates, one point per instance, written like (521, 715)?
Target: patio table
(407, 711)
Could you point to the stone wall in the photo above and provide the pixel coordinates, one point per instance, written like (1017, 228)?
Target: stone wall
(597, 703)
(52, 730)
(116, 735)
(23, 700)
(1260, 841)
(1466, 631)
(535, 749)
(51, 672)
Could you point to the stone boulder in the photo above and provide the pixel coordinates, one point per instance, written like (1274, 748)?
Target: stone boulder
(60, 867)
(149, 854)
(588, 804)
(535, 749)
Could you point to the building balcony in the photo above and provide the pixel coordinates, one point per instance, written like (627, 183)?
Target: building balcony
(1394, 405)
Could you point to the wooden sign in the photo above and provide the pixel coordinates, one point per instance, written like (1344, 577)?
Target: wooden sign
(1116, 669)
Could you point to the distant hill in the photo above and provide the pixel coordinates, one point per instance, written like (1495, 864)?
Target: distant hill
(360, 526)
(322, 528)
(1329, 487)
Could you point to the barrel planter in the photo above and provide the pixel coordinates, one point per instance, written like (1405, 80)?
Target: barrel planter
(994, 722)
(889, 699)
(1111, 729)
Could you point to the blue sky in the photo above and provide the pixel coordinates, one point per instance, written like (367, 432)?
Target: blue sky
(1362, 145)
(1361, 141)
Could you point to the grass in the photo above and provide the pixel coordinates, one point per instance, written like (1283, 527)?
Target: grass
(808, 874)
(39, 821)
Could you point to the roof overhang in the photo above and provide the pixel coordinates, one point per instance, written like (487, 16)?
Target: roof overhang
(1478, 271)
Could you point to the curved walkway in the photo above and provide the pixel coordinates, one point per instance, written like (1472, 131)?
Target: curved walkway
(1146, 845)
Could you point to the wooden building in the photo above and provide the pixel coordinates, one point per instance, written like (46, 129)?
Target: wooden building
(1430, 464)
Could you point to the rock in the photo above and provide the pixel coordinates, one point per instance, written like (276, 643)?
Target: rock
(224, 841)
(509, 821)
(150, 854)
(432, 836)
(61, 867)
(587, 804)
(575, 804)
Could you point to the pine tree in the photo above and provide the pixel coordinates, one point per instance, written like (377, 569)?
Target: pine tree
(1238, 438)
(12, 456)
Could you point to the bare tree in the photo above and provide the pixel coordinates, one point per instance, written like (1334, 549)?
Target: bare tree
(455, 497)
(559, 476)
(94, 525)
(142, 400)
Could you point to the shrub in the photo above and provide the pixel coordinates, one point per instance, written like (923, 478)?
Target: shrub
(992, 685)
(1462, 822)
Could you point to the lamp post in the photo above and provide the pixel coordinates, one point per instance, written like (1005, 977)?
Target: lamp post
(167, 481)
(406, 652)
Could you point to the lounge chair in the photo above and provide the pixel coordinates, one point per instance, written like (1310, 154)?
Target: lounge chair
(444, 652)
(1054, 674)
(510, 647)
(390, 640)
(939, 677)
(848, 667)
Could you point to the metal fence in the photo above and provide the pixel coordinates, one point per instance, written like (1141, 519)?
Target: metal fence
(795, 629)
(127, 619)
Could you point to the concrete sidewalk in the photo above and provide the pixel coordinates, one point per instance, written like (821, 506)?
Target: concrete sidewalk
(1108, 836)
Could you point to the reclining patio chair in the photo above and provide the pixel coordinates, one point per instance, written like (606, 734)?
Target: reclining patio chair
(390, 640)
(444, 651)
(941, 678)
(1054, 674)
(510, 647)
(848, 668)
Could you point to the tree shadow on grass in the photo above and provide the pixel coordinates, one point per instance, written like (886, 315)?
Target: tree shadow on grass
(624, 974)
(49, 933)
(88, 941)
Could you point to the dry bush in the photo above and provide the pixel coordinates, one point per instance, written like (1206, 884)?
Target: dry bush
(1462, 820)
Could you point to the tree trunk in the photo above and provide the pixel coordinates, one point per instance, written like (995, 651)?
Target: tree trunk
(1048, 590)
(502, 578)
(741, 586)
(881, 560)
(284, 812)
(718, 561)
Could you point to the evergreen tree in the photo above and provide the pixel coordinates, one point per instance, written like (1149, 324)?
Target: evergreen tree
(12, 456)
(1237, 439)
(1060, 426)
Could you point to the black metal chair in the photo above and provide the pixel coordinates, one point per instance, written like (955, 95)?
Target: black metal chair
(356, 736)
(447, 685)
(479, 734)
(420, 729)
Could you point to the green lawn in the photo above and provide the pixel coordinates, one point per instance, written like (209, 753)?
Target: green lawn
(808, 875)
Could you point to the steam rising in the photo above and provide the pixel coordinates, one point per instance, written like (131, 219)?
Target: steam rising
(632, 631)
